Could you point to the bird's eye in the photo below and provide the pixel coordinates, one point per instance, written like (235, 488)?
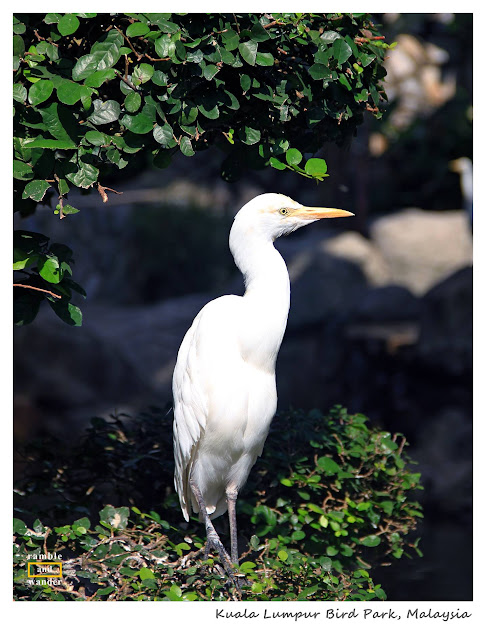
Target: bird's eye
(283, 211)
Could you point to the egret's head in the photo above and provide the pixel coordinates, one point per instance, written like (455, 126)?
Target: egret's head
(274, 215)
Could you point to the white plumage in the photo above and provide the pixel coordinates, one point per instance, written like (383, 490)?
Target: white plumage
(224, 380)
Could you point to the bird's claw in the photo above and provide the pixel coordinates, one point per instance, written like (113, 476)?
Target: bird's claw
(214, 544)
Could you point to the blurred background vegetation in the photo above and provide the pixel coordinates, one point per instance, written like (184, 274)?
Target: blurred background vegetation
(381, 317)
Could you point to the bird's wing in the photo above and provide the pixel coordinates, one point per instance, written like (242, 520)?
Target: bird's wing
(205, 388)
(190, 413)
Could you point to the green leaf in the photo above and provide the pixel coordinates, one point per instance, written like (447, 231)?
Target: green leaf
(49, 269)
(117, 518)
(104, 54)
(104, 112)
(140, 123)
(366, 58)
(52, 18)
(277, 164)
(137, 29)
(245, 82)
(258, 33)
(59, 121)
(69, 313)
(86, 175)
(248, 51)
(68, 24)
(344, 81)
(210, 71)
(175, 592)
(249, 136)
(328, 464)
(22, 171)
(82, 522)
(21, 260)
(319, 71)
(164, 25)
(146, 574)
(69, 92)
(19, 92)
(19, 526)
(329, 36)
(186, 146)
(293, 156)
(142, 73)
(97, 78)
(35, 190)
(230, 39)
(316, 167)
(164, 46)
(108, 48)
(86, 66)
(246, 567)
(48, 143)
(264, 59)
(371, 541)
(163, 135)
(133, 101)
(67, 210)
(160, 78)
(341, 50)
(212, 113)
(18, 46)
(283, 555)
(97, 138)
(40, 92)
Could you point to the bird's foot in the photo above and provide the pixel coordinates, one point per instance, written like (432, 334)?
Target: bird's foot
(214, 544)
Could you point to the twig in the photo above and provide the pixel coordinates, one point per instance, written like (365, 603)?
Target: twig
(126, 81)
(237, 25)
(129, 44)
(359, 40)
(28, 286)
(102, 191)
(272, 24)
(155, 59)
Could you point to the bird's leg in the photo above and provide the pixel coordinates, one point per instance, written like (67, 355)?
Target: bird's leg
(213, 540)
(231, 496)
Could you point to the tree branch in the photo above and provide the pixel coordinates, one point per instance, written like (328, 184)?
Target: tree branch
(28, 286)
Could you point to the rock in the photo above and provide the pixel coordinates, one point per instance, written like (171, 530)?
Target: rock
(445, 340)
(121, 359)
(387, 304)
(65, 375)
(444, 454)
(354, 247)
(322, 286)
(421, 248)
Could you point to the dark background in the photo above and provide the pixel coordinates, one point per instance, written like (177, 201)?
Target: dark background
(381, 315)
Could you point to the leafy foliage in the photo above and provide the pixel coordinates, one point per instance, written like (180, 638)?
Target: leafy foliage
(41, 265)
(330, 499)
(93, 92)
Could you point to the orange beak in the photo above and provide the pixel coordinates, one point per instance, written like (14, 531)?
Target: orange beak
(316, 213)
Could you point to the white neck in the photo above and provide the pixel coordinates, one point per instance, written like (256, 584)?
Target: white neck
(267, 295)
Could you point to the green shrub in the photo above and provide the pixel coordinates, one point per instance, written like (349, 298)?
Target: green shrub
(330, 499)
(97, 93)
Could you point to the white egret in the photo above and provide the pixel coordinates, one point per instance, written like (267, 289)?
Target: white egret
(224, 380)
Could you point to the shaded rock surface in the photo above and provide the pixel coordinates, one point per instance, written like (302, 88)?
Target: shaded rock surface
(446, 324)
(421, 248)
